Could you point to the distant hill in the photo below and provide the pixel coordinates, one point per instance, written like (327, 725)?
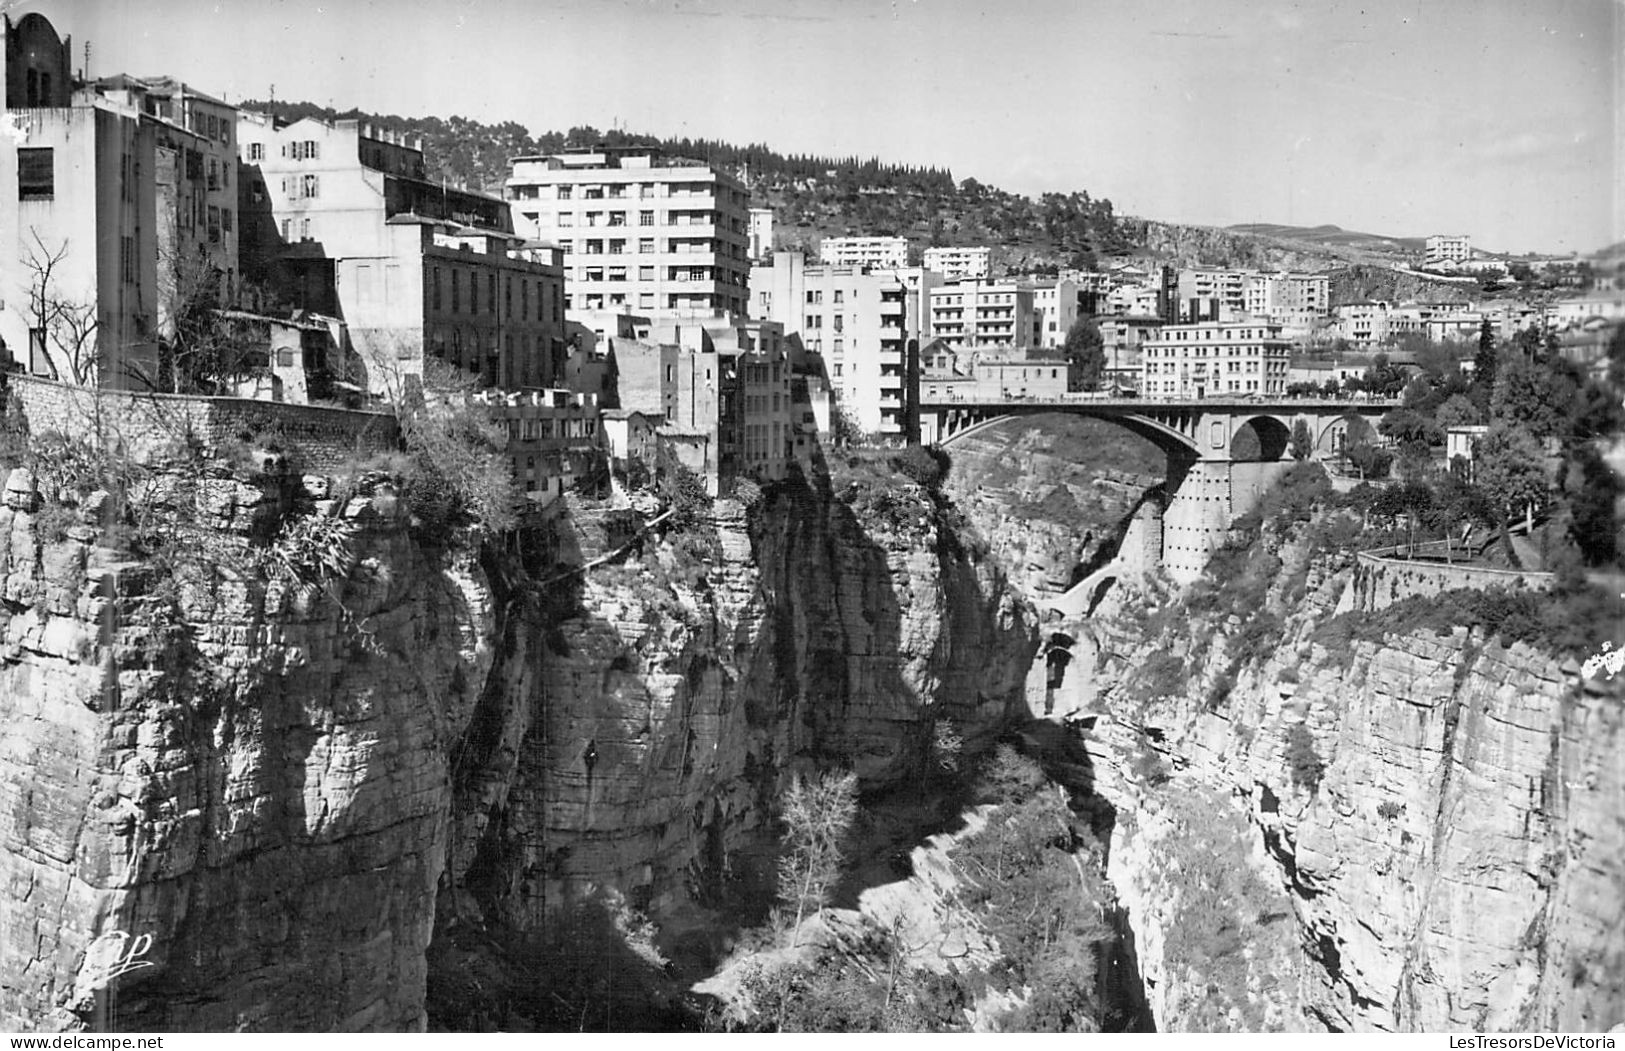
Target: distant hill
(1335, 237)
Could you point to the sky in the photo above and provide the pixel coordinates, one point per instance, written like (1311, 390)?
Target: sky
(1500, 119)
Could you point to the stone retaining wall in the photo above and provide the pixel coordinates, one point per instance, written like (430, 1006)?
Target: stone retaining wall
(1380, 579)
(315, 438)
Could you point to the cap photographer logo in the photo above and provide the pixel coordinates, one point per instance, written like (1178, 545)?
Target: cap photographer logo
(115, 953)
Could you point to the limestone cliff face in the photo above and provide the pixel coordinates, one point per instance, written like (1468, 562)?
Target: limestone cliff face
(282, 784)
(1457, 863)
(1420, 832)
(638, 741)
(253, 778)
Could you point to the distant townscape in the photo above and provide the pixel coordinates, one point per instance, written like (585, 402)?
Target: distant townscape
(612, 296)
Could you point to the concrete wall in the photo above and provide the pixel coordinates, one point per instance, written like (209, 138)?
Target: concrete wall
(1197, 520)
(1380, 580)
(315, 438)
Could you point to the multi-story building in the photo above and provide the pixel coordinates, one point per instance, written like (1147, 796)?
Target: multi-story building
(856, 321)
(960, 264)
(1056, 305)
(1215, 360)
(761, 234)
(339, 217)
(638, 231)
(1293, 301)
(877, 253)
(1448, 248)
(554, 438)
(1032, 374)
(1135, 300)
(196, 183)
(982, 314)
(1367, 323)
(1122, 336)
(722, 384)
(1211, 294)
(78, 254)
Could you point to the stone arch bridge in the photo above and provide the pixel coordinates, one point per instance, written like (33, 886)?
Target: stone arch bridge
(1222, 453)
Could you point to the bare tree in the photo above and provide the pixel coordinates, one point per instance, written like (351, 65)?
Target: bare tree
(203, 351)
(817, 816)
(64, 328)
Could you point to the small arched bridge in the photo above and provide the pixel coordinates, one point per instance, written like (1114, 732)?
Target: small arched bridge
(1222, 452)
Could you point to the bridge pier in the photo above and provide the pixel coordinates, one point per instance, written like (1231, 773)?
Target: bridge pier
(1205, 497)
(1197, 518)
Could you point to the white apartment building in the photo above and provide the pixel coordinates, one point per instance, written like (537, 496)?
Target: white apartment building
(1211, 294)
(658, 235)
(1055, 309)
(855, 320)
(878, 253)
(1215, 360)
(960, 264)
(1448, 248)
(1372, 322)
(1135, 300)
(981, 314)
(1294, 301)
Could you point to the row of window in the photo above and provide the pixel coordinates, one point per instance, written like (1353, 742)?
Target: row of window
(528, 291)
(762, 440)
(301, 187)
(530, 430)
(613, 191)
(645, 273)
(521, 363)
(653, 246)
(650, 301)
(211, 126)
(691, 218)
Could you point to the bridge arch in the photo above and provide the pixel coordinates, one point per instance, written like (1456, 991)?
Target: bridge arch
(1331, 436)
(1260, 438)
(1178, 446)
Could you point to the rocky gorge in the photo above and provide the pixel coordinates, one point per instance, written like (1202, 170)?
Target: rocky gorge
(345, 798)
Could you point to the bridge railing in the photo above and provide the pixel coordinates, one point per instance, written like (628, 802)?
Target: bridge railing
(1109, 401)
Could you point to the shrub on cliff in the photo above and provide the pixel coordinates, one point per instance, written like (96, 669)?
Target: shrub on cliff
(460, 480)
(923, 466)
(1304, 764)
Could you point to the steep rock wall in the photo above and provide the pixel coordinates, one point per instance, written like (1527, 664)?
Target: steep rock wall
(638, 741)
(1459, 861)
(289, 787)
(254, 779)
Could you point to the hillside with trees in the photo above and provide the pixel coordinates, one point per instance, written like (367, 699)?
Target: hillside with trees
(812, 196)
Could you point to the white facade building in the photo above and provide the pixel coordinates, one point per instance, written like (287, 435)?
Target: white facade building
(960, 264)
(855, 320)
(878, 253)
(1215, 360)
(638, 231)
(1448, 248)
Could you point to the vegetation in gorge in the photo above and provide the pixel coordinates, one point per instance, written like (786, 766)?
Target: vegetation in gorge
(1032, 878)
(1230, 939)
